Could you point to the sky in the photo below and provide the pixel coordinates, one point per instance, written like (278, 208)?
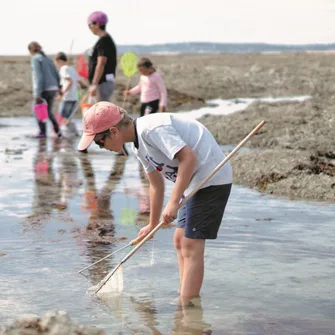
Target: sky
(59, 24)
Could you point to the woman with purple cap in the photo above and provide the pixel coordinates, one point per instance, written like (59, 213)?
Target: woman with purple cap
(102, 59)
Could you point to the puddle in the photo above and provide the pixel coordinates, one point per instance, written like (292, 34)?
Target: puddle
(271, 269)
(226, 107)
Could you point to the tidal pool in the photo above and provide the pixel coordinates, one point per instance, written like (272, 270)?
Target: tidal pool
(271, 271)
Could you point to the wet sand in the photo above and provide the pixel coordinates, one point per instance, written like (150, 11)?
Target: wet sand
(295, 150)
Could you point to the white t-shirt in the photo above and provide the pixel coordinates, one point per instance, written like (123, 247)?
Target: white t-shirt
(161, 135)
(68, 72)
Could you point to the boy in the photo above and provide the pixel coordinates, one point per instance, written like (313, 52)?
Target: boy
(183, 151)
(69, 92)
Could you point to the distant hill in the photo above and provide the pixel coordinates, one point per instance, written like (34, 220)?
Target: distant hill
(204, 47)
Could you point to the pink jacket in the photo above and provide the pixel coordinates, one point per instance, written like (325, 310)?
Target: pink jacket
(152, 88)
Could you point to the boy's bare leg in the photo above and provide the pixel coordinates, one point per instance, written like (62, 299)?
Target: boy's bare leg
(193, 274)
(178, 237)
(190, 253)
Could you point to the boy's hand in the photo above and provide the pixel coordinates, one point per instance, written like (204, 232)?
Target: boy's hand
(170, 212)
(145, 231)
(126, 93)
(162, 109)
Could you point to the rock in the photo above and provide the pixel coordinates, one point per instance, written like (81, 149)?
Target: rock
(296, 174)
(51, 323)
(298, 147)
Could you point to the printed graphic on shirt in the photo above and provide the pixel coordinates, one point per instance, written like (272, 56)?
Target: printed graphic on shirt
(158, 166)
(169, 172)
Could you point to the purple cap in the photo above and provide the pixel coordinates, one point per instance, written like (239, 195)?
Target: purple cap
(99, 18)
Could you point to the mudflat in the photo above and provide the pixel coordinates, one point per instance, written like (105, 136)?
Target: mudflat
(294, 152)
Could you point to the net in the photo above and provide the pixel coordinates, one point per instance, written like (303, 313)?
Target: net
(113, 284)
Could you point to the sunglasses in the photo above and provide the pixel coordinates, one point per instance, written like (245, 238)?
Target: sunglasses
(100, 138)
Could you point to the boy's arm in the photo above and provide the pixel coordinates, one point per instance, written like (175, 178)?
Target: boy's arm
(67, 86)
(156, 192)
(187, 161)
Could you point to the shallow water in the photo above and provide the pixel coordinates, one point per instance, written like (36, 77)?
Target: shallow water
(271, 271)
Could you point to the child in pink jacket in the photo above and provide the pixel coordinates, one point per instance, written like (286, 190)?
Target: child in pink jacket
(152, 88)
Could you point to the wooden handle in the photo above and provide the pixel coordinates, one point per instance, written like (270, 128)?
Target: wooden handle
(141, 241)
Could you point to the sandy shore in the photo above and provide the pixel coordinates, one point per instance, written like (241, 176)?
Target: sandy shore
(295, 154)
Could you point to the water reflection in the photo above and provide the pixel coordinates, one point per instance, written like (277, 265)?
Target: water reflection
(100, 230)
(144, 199)
(69, 181)
(148, 314)
(189, 320)
(46, 189)
(142, 316)
(53, 187)
(275, 257)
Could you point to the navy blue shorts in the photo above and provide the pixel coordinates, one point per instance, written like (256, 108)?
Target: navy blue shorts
(201, 216)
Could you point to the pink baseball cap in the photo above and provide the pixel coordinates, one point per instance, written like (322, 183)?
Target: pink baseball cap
(100, 117)
(98, 17)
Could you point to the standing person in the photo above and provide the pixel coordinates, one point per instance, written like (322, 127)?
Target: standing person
(69, 80)
(182, 151)
(102, 59)
(152, 88)
(46, 84)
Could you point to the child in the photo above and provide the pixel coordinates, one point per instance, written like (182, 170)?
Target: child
(151, 87)
(69, 93)
(183, 151)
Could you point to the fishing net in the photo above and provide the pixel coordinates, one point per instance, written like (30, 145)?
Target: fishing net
(110, 284)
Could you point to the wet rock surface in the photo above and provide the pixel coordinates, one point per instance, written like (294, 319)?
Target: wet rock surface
(291, 173)
(263, 324)
(51, 323)
(295, 149)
